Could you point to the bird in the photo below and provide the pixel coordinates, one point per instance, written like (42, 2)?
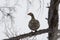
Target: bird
(33, 23)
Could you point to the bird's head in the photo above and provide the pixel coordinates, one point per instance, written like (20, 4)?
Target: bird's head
(31, 14)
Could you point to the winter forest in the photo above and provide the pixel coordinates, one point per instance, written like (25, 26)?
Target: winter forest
(29, 19)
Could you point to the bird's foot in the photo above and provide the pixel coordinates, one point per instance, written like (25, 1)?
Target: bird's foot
(35, 30)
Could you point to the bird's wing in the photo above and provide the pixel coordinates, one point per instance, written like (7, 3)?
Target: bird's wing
(34, 23)
(37, 23)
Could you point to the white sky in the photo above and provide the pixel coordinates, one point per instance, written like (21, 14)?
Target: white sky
(21, 18)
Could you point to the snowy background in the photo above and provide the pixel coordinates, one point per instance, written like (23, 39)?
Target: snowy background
(21, 19)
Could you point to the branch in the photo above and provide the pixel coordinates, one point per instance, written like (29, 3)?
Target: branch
(54, 4)
(29, 34)
(58, 31)
(58, 36)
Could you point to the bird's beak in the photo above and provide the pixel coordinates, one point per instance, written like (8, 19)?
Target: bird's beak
(28, 14)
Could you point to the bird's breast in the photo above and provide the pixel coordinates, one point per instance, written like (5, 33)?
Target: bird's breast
(34, 24)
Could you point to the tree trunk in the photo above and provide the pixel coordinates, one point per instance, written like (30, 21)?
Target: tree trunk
(53, 20)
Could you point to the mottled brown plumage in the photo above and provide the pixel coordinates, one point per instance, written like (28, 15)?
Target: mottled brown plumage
(33, 23)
